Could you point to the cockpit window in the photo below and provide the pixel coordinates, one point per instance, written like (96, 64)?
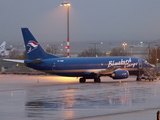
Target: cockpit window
(146, 62)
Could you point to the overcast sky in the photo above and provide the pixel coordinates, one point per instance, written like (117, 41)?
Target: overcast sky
(90, 20)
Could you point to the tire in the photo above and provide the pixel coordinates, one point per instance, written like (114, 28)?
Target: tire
(97, 80)
(138, 79)
(82, 80)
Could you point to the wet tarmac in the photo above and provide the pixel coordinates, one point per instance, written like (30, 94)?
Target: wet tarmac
(57, 98)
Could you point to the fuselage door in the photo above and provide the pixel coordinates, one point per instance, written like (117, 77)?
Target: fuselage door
(140, 64)
(54, 65)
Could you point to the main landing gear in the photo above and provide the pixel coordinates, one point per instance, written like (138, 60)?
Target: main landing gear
(82, 80)
(96, 80)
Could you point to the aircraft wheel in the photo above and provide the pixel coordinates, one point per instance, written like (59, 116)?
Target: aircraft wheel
(138, 79)
(97, 80)
(82, 80)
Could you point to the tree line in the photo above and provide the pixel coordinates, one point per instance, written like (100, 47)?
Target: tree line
(152, 55)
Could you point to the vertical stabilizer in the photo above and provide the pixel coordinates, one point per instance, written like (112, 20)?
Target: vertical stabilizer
(33, 48)
(2, 46)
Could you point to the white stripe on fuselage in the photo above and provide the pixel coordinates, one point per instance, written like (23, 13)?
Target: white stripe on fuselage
(87, 70)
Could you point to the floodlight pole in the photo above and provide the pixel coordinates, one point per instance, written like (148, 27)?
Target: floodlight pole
(68, 39)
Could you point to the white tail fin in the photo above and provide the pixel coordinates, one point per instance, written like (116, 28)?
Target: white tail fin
(2, 46)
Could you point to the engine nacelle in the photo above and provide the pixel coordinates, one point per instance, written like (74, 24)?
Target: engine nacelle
(120, 74)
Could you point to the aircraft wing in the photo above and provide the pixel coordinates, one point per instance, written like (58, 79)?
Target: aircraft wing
(14, 60)
(106, 71)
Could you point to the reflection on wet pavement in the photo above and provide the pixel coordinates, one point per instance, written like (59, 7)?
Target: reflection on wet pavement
(79, 100)
(26, 99)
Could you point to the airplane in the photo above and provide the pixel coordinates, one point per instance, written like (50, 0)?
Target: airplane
(81, 67)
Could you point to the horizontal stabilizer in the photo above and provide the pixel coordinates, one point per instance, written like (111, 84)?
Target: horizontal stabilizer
(14, 60)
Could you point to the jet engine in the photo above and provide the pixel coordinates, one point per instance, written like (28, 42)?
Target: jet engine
(120, 74)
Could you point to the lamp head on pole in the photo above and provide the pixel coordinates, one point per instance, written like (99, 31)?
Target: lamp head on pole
(65, 4)
(124, 44)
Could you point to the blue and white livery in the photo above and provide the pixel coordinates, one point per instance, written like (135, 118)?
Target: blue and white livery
(83, 67)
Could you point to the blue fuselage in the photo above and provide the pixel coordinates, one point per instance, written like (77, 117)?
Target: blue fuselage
(82, 66)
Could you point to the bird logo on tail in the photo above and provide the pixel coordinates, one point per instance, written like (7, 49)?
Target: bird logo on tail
(32, 46)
